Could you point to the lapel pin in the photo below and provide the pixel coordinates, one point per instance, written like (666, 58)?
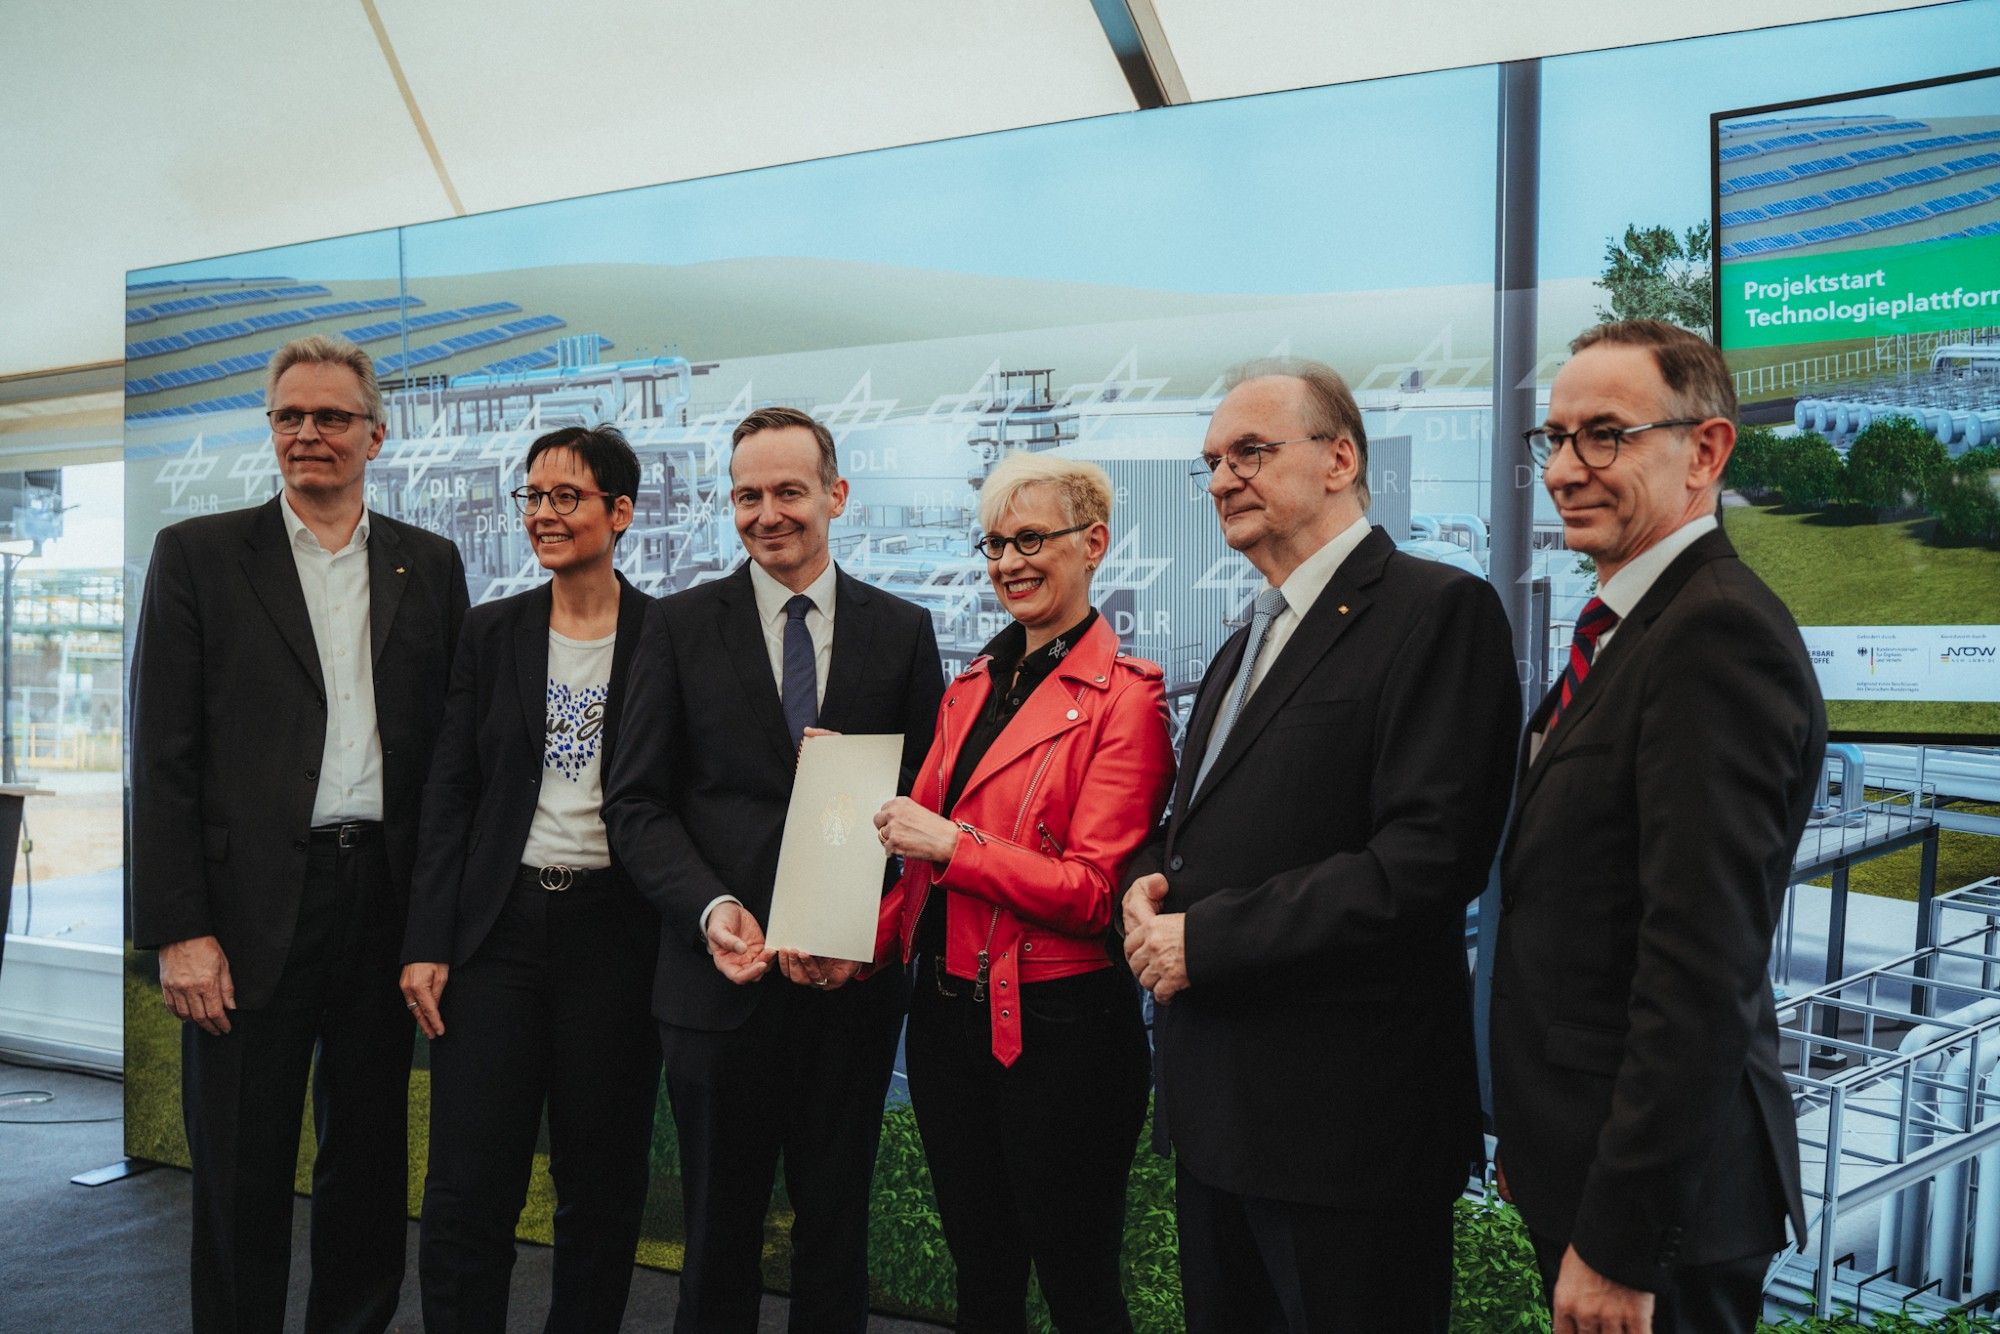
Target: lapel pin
(1343, 609)
(399, 570)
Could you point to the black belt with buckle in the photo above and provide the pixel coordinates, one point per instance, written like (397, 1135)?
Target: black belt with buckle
(349, 834)
(561, 879)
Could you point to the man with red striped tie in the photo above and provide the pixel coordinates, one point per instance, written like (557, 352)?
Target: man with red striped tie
(1646, 1134)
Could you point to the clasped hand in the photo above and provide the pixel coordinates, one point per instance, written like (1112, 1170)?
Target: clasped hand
(1155, 941)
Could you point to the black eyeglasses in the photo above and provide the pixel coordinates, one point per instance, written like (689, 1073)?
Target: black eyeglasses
(330, 421)
(1595, 446)
(1244, 459)
(562, 499)
(1028, 541)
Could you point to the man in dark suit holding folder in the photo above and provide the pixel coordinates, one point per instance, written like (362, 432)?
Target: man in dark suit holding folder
(1646, 1132)
(758, 1061)
(1300, 917)
(287, 681)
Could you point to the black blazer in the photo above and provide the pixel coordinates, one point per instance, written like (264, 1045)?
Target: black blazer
(229, 723)
(695, 802)
(1637, 1094)
(486, 779)
(1323, 1051)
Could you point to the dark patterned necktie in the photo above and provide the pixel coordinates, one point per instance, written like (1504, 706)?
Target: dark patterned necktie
(1591, 623)
(801, 693)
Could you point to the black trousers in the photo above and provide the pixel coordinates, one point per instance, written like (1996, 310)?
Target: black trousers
(552, 1009)
(337, 1016)
(1030, 1161)
(1259, 1266)
(804, 1077)
(1722, 1298)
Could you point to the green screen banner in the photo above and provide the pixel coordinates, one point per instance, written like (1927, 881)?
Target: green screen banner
(1911, 288)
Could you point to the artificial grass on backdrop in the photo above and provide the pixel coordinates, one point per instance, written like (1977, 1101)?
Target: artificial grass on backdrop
(1962, 859)
(1833, 571)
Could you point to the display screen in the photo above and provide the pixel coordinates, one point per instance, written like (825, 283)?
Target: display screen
(1857, 301)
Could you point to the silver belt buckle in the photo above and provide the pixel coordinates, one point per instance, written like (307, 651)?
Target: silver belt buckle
(556, 879)
(350, 835)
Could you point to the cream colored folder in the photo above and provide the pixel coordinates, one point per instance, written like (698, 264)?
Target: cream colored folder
(829, 888)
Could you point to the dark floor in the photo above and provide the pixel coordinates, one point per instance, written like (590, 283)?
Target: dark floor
(89, 1259)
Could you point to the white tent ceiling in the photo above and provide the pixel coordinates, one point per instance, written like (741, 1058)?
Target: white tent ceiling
(140, 135)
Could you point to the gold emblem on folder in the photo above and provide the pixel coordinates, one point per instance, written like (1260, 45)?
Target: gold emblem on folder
(837, 821)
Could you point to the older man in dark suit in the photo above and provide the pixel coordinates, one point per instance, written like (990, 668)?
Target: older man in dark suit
(1300, 916)
(287, 679)
(1646, 1133)
(729, 677)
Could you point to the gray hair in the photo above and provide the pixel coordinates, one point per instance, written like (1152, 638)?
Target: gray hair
(327, 350)
(1331, 411)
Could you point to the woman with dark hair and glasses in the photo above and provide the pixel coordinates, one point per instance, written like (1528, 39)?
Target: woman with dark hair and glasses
(529, 955)
(1026, 1052)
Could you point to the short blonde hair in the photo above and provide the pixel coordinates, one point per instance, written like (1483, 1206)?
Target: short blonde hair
(328, 350)
(1081, 489)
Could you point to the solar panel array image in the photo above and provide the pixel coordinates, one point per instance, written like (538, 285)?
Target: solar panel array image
(1982, 164)
(1786, 142)
(397, 362)
(1874, 222)
(451, 347)
(1822, 166)
(203, 408)
(370, 333)
(540, 359)
(246, 296)
(202, 374)
(276, 319)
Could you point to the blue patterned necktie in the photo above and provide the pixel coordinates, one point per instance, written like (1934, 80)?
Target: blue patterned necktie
(1268, 604)
(801, 692)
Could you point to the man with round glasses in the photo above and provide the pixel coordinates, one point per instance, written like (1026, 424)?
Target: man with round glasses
(1646, 1133)
(287, 679)
(1300, 917)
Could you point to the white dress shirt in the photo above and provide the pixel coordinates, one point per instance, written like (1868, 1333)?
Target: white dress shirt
(335, 584)
(771, 615)
(1301, 589)
(1623, 591)
(771, 599)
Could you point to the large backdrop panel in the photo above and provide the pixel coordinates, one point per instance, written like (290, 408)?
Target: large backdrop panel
(1081, 287)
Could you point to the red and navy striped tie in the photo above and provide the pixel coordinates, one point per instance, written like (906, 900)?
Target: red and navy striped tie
(1591, 623)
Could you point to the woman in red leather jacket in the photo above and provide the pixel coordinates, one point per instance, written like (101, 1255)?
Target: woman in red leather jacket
(1027, 1055)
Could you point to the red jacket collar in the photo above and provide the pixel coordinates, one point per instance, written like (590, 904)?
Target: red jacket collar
(1089, 663)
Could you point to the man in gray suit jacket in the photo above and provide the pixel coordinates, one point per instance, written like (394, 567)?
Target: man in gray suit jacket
(1646, 1133)
(287, 680)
